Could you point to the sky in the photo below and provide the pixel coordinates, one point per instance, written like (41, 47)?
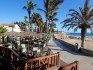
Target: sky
(12, 11)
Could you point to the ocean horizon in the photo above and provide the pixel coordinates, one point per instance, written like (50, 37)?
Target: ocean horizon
(79, 34)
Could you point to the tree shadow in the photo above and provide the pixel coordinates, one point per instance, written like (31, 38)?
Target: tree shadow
(65, 48)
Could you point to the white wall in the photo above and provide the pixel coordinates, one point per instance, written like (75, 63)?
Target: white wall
(16, 28)
(8, 28)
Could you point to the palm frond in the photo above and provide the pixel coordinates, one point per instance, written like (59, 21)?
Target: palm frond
(55, 19)
(90, 18)
(90, 9)
(73, 10)
(90, 14)
(86, 5)
(58, 2)
(25, 7)
(69, 28)
(81, 10)
(77, 14)
(27, 3)
(54, 14)
(76, 28)
(42, 10)
(67, 20)
(56, 8)
(31, 5)
(46, 4)
(63, 27)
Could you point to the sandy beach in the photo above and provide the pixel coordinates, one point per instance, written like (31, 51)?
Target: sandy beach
(76, 39)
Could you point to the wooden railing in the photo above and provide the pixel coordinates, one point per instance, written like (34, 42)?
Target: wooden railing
(72, 66)
(40, 63)
(43, 63)
(13, 57)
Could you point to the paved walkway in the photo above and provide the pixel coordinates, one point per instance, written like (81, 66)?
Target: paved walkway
(69, 56)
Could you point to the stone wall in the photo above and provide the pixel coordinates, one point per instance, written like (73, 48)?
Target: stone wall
(86, 52)
(67, 44)
(73, 47)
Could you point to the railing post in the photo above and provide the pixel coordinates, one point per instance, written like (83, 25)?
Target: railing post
(72, 66)
(48, 62)
(77, 64)
(39, 64)
(23, 65)
(9, 54)
(58, 58)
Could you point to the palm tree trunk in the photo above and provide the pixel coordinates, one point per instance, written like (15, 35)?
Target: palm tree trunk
(29, 20)
(35, 29)
(83, 35)
(39, 29)
(47, 25)
(47, 22)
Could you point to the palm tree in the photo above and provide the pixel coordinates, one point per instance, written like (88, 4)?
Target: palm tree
(52, 20)
(30, 6)
(52, 26)
(43, 27)
(26, 23)
(82, 19)
(50, 7)
(36, 18)
(25, 17)
(46, 5)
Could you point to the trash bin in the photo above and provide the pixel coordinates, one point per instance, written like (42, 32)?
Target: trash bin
(77, 47)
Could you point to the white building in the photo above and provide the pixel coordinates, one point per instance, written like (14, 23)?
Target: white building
(11, 27)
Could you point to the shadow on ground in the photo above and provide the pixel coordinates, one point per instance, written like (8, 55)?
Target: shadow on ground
(64, 48)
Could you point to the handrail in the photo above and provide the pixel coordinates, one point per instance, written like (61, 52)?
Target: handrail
(12, 52)
(39, 63)
(44, 62)
(72, 66)
(13, 57)
(43, 57)
(15, 54)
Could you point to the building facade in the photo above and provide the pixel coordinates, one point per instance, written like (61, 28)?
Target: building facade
(11, 27)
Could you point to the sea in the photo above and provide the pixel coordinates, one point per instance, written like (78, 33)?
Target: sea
(79, 34)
